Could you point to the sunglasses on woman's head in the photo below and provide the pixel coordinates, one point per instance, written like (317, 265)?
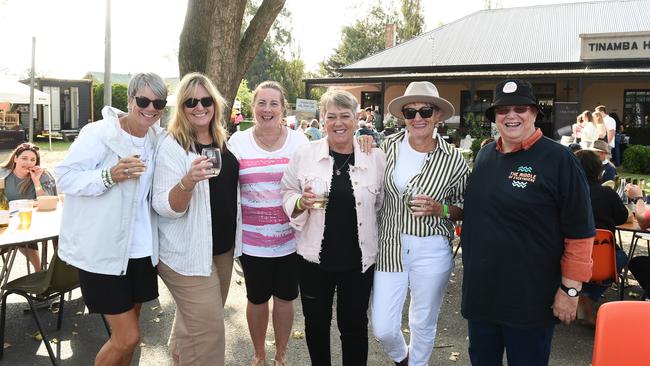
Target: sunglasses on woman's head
(143, 102)
(425, 112)
(28, 146)
(193, 102)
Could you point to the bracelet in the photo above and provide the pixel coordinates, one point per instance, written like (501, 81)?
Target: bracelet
(182, 186)
(106, 178)
(38, 188)
(298, 206)
(445, 211)
(109, 177)
(636, 199)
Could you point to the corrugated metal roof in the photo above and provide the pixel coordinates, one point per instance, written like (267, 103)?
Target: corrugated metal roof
(524, 35)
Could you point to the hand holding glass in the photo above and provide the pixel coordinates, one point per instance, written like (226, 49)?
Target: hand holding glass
(320, 190)
(214, 157)
(410, 197)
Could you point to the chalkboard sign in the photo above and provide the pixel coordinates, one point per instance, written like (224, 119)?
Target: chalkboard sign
(565, 114)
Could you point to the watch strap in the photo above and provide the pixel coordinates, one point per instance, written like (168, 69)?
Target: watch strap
(569, 290)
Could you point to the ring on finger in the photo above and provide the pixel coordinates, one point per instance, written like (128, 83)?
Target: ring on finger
(126, 171)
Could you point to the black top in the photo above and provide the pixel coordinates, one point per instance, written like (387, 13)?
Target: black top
(609, 210)
(223, 202)
(519, 208)
(340, 248)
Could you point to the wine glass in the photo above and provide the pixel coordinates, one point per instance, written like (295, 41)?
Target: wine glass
(214, 156)
(410, 194)
(320, 189)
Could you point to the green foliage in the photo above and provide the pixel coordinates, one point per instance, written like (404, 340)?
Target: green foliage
(476, 146)
(636, 159)
(412, 22)
(245, 96)
(270, 62)
(362, 39)
(119, 99)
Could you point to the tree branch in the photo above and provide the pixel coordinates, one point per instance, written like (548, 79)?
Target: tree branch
(256, 33)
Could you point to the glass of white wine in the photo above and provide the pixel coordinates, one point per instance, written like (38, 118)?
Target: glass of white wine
(410, 196)
(320, 189)
(214, 157)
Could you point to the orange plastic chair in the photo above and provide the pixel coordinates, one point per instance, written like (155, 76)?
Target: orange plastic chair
(603, 256)
(622, 335)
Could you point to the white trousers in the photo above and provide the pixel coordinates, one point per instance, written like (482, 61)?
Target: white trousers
(427, 264)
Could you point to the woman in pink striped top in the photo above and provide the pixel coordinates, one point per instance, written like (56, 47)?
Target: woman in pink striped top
(268, 246)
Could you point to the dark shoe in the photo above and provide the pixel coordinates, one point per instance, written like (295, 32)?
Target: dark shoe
(404, 362)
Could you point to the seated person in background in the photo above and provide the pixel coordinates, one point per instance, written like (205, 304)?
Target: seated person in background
(602, 150)
(609, 211)
(640, 265)
(367, 129)
(25, 179)
(313, 132)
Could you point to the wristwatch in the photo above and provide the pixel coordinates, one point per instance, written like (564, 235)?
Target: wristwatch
(572, 292)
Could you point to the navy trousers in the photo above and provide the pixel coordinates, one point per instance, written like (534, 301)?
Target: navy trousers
(523, 346)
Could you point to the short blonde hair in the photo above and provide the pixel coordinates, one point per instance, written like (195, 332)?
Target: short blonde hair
(340, 98)
(181, 128)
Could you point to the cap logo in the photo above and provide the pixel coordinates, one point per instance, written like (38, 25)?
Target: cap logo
(510, 87)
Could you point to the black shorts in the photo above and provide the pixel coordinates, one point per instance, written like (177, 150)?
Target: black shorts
(109, 294)
(266, 277)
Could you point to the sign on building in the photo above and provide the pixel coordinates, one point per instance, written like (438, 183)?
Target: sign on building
(608, 46)
(306, 105)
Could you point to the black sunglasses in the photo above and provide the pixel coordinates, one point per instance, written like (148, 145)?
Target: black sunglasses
(425, 112)
(193, 102)
(143, 102)
(27, 146)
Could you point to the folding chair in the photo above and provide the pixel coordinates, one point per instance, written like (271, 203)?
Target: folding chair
(40, 287)
(603, 256)
(622, 336)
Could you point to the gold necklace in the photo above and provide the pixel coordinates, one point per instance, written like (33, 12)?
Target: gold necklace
(258, 138)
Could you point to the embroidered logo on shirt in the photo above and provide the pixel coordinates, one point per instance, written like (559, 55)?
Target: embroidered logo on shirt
(522, 177)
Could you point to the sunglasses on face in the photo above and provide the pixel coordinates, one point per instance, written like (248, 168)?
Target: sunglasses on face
(425, 112)
(143, 102)
(519, 109)
(193, 102)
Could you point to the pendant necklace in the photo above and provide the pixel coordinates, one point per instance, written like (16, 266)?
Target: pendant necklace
(337, 170)
(140, 149)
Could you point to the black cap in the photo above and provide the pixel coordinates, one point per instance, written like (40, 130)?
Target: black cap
(513, 92)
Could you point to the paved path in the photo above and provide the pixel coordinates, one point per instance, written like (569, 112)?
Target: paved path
(82, 334)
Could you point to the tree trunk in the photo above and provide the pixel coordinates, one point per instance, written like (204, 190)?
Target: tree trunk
(212, 41)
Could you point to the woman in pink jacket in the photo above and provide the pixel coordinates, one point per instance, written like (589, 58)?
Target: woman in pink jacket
(338, 242)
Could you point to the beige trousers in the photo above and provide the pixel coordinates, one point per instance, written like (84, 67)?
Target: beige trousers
(198, 334)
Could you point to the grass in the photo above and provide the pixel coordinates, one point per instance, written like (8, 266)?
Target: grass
(624, 174)
(57, 145)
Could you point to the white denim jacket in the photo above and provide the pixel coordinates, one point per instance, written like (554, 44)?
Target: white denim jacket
(367, 176)
(97, 223)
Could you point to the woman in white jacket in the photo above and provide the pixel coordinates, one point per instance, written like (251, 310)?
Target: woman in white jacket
(198, 222)
(107, 228)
